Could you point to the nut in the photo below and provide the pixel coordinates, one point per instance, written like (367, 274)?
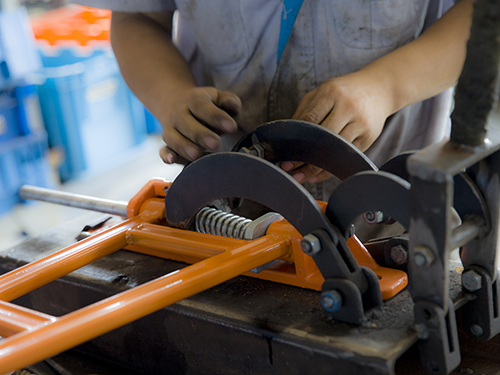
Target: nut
(331, 300)
(471, 280)
(399, 255)
(310, 244)
(423, 256)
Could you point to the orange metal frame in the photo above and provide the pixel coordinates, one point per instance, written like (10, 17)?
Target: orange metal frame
(31, 336)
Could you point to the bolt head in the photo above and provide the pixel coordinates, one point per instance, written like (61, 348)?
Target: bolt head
(399, 255)
(331, 300)
(476, 330)
(423, 256)
(471, 280)
(310, 244)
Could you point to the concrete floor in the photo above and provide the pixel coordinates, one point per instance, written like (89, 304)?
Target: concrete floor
(119, 183)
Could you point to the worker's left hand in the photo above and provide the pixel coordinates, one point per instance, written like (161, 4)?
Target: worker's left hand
(355, 106)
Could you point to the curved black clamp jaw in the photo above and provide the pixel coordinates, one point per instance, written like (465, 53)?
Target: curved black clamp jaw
(294, 140)
(242, 175)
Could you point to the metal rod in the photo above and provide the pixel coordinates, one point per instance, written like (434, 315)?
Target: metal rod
(74, 200)
(471, 228)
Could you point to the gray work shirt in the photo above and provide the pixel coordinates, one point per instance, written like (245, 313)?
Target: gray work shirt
(232, 44)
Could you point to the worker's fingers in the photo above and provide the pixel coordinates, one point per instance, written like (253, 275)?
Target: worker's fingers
(169, 156)
(181, 145)
(203, 107)
(306, 173)
(288, 166)
(321, 176)
(229, 102)
(338, 119)
(193, 130)
(314, 110)
(358, 134)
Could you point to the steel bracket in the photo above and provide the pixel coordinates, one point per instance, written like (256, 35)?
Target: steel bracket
(439, 346)
(481, 315)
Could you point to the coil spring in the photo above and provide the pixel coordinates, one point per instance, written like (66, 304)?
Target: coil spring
(212, 221)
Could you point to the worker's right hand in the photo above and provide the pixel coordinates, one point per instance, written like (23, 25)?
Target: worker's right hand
(194, 122)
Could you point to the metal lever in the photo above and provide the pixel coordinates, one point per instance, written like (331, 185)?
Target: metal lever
(85, 202)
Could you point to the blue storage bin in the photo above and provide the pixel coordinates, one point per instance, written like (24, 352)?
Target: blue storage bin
(88, 110)
(19, 112)
(23, 160)
(152, 124)
(18, 52)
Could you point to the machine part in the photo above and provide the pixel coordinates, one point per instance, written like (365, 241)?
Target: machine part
(264, 266)
(294, 140)
(212, 221)
(483, 251)
(258, 227)
(233, 174)
(331, 300)
(476, 330)
(255, 150)
(397, 165)
(310, 244)
(41, 335)
(467, 198)
(481, 315)
(399, 254)
(220, 223)
(230, 174)
(381, 250)
(476, 94)
(369, 191)
(373, 217)
(90, 227)
(423, 256)
(471, 280)
(439, 346)
(74, 200)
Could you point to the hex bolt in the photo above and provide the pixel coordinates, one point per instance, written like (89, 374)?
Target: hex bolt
(471, 280)
(373, 217)
(399, 255)
(331, 300)
(476, 330)
(423, 256)
(310, 244)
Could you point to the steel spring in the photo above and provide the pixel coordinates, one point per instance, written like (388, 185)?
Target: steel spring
(212, 221)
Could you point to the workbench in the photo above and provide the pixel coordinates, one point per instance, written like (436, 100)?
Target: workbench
(243, 326)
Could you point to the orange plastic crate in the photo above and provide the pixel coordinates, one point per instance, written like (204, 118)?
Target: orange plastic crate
(73, 25)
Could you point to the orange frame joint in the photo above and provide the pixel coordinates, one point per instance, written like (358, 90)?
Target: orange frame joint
(31, 336)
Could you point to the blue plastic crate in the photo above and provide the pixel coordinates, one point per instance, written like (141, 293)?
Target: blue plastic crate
(18, 52)
(19, 112)
(88, 110)
(23, 160)
(152, 124)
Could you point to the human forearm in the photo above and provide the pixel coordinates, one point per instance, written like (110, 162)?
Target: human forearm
(192, 117)
(149, 62)
(428, 65)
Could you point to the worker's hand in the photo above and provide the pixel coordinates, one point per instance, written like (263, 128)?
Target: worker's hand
(355, 106)
(195, 120)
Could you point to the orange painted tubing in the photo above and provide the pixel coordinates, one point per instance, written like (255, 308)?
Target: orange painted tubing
(180, 241)
(33, 275)
(15, 319)
(89, 322)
